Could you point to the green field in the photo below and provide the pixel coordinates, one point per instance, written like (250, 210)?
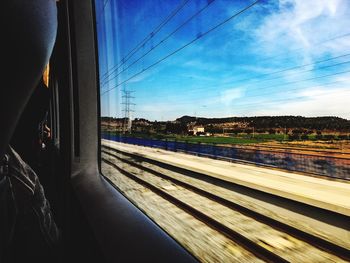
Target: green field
(237, 139)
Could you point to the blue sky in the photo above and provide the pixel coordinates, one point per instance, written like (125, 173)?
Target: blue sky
(231, 71)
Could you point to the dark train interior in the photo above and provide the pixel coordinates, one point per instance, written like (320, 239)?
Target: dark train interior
(97, 221)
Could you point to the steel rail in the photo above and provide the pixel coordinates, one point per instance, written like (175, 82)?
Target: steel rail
(236, 237)
(297, 233)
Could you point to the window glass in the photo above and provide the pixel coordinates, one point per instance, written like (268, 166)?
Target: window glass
(227, 122)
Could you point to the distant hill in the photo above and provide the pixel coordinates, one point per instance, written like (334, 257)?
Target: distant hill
(266, 122)
(329, 123)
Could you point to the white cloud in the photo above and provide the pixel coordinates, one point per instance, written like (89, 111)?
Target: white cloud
(323, 101)
(229, 95)
(201, 65)
(300, 24)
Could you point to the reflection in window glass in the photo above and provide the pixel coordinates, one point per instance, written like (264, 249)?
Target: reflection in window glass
(227, 123)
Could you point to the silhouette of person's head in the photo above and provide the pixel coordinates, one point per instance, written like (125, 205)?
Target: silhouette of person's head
(28, 31)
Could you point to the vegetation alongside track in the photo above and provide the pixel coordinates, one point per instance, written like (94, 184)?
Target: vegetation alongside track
(266, 140)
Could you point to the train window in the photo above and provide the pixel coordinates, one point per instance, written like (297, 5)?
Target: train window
(227, 123)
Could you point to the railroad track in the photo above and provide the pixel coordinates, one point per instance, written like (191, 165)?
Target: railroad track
(298, 150)
(312, 170)
(271, 166)
(190, 198)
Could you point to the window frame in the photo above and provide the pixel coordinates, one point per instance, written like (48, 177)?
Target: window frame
(115, 221)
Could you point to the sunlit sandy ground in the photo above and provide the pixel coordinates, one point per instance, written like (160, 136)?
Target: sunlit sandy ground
(203, 242)
(207, 244)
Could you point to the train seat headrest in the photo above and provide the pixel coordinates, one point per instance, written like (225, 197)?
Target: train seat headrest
(28, 32)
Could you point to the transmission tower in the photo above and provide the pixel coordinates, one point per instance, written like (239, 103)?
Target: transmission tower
(127, 109)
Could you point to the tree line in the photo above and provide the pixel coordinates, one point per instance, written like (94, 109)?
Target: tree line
(268, 122)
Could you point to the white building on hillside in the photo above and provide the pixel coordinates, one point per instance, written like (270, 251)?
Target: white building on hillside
(196, 129)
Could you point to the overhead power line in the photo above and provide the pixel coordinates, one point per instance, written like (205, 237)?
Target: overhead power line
(286, 83)
(276, 92)
(315, 44)
(255, 79)
(303, 80)
(160, 42)
(147, 38)
(180, 101)
(293, 68)
(276, 101)
(268, 102)
(184, 46)
(310, 70)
